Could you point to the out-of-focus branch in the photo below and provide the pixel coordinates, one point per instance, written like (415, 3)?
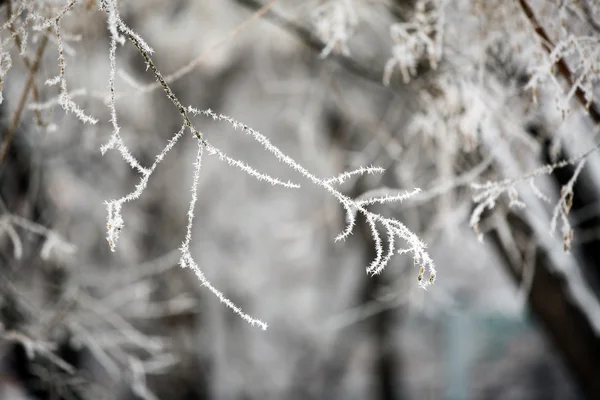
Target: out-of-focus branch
(21, 105)
(550, 297)
(589, 16)
(372, 72)
(192, 65)
(34, 89)
(563, 68)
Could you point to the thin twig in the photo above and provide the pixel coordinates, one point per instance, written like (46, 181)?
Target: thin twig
(189, 67)
(21, 105)
(543, 170)
(165, 86)
(34, 90)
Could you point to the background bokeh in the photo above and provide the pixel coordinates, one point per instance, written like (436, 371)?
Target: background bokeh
(511, 317)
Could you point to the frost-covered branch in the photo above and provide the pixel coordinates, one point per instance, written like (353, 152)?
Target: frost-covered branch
(65, 100)
(587, 52)
(115, 221)
(420, 38)
(563, 207)
(489, 192)
(394, 228)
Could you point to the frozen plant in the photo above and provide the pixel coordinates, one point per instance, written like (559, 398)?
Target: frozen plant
(115, 223)
(420, 38)
(335, 22)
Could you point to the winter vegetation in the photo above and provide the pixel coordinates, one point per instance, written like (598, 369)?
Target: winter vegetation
(311, 164)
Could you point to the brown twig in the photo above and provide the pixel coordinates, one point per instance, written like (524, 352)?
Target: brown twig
(563, 68)
(34, 89)
(21, 105)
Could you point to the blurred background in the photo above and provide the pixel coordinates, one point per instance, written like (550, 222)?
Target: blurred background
(441, 93)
